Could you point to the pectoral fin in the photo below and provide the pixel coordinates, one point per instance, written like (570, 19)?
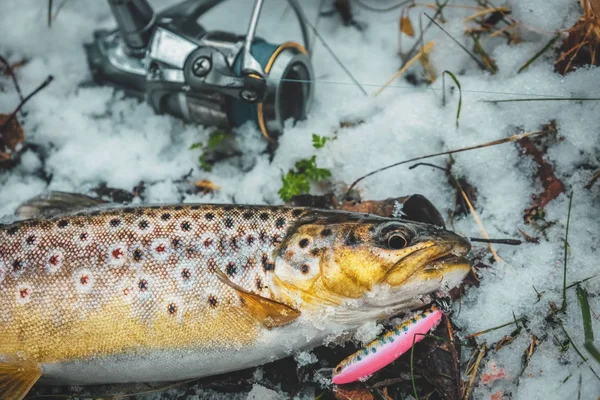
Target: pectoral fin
(16, 379)
(268, 312)
(52, 204)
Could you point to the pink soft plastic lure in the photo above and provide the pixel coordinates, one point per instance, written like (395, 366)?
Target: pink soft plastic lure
(386, 348)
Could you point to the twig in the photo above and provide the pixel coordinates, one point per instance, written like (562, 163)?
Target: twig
(22, 103)
(443, 153)
(566, 249)
(426, 49)
(335, 57)
(469, 388)
(477, 220)
(454, 355)
(510, 242)
(486, 11)
(473, 335)
(481, 65)
(13, 76)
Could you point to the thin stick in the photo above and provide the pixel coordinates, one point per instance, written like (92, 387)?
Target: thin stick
(477, 220)
(538, 54)
(22, 103)
(510, 242)
(480, 356)
(335, 57)
(443, 153)
(426, 49)
(13, 76)
(481, 65)
(566, 249)
(453, 352)
(473, 335)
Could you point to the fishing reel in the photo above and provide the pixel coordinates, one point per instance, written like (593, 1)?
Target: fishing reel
(212, 78)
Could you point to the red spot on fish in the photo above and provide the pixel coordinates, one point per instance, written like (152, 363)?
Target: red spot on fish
(161, 248)
(24, 293)
(127, 291)
(85, 279)
(208, 242)
(54, 259)
(117, 253)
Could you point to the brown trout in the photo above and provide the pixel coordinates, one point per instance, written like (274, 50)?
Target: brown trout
(170, 292)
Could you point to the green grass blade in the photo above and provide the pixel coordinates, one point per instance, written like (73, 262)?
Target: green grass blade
(538, 54)
(459, 92)
(588, 332)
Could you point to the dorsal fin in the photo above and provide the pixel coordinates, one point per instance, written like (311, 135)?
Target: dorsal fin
(52, 204)
(268, 312)
(17, 378)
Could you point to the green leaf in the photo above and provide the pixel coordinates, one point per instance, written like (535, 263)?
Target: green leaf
(318, 141)
(293, 185)
(196, 146)
(216, 137)
(205, 165)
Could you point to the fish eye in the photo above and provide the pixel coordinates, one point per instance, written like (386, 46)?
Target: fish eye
(397, 242)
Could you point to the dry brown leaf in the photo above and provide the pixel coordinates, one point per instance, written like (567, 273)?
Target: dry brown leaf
(206, 186)
(353, 391)
(10, 138)
(406, 26)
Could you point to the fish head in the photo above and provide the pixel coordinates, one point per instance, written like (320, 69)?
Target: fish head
(379, 264)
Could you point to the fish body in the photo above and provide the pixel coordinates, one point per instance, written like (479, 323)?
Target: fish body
(158, 293)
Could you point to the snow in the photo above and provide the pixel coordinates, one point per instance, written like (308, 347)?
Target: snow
(86, 135)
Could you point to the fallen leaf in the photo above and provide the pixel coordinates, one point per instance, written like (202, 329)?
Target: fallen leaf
(206, 186)
(406, 26)
(11, 138)
(353, 391)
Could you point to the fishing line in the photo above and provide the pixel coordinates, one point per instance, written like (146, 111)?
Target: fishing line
(439, 89)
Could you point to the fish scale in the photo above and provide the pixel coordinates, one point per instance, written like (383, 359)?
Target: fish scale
(159, 293)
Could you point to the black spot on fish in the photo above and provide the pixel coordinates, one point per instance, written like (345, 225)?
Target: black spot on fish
(264, 216)
(315, 252)
(297, 212)
(137, 255)
(30, 239)
(165, 216)
(280, 222)
(326, 232)
(17, 266)
(128, 210)
(83, 236)
(352, 239)
(63, 223)
(228, 208)
(304, 268)
(231, 269)
(209, 216)
(303, 243)
(115, 222)
(176, 243)
(186, 274)
(143, 285)
(262, 236)
(276, 239)
(177, 208)
(12, 230)
(267, 264)
(212, 301)
(259, 284)
(186, 226)
(248, 215)
(228, 223)
(196, 207)
(172, 308)
(234, 243)
(250, 240)
(143, 224)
